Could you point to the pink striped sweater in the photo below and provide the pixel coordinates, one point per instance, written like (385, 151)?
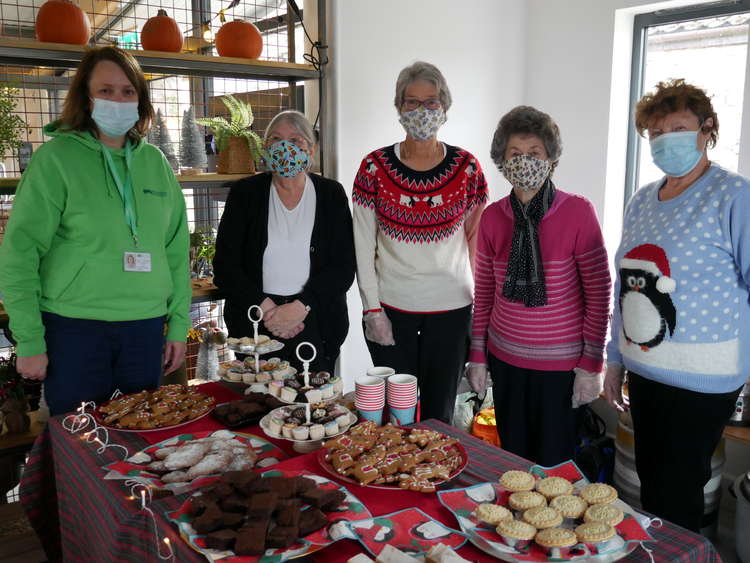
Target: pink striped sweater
(570, 330)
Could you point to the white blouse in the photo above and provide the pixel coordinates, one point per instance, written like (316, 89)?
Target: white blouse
(286, 261)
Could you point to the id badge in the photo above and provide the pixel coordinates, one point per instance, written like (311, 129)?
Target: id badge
(137, 261)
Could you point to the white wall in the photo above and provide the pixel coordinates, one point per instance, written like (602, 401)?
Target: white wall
(479, 45)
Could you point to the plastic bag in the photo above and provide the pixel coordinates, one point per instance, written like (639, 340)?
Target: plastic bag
(468, 404)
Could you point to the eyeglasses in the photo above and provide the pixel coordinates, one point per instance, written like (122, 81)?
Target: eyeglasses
(412, 104)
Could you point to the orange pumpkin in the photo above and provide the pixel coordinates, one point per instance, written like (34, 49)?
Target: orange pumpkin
(161, 33)
(62, 21)
(239, 39)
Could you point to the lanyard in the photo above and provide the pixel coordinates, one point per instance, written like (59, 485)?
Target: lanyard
(125, 189)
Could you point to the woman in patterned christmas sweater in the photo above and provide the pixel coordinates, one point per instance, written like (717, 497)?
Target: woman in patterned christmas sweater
(542, 295)
(416, 212)
(681, 326)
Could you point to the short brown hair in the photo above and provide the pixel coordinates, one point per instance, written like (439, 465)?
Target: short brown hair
(76, 115)
(677, 95)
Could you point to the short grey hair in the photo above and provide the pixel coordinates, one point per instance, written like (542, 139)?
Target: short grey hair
(526, 120)
(297, 120)
(421, 70)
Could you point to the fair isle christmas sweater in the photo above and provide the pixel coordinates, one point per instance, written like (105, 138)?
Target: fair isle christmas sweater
(681, 314)
(414, 231)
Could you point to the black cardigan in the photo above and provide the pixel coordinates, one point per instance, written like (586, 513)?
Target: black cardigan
(241, 243)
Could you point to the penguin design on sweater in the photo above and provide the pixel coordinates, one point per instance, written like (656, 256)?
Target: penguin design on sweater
(646, 308)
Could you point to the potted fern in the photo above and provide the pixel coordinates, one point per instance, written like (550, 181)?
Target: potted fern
(239, 147)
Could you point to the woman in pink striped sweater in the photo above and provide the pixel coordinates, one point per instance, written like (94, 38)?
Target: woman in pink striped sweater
(541, 297)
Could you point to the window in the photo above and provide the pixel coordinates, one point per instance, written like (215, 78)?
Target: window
(707, 46)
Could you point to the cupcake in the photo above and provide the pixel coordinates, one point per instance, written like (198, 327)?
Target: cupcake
(515, 533)
(301, 433)
(524, 500)
(263, 377)
(603, 513)
(275, 387)
(597, 533)
(598, 493)
(552, 487)
(234, 375)
(542, 517)
(288, 430)
(553, 539)
(317, 432)
(492, 513)
(288, 394)
(326, 390)
(343, 420)
(274, 425)
(248, 377)
(331, 428)
(517, 481)
(314, 396)
(569, 506)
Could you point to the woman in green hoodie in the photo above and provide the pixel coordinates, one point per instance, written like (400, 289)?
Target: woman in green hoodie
(95, 254)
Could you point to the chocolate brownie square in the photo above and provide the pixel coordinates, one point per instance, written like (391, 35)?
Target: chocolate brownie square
(221, 540)
(221, 490)
(234, 503)
(198, 504)
(301, 484)
(261, 485)
(311, 520)
(288, 517)
(261, 505)
(282, 486)
(210, 520)
(251, 540)
(282, 536)
(240, 480)
(232, 520)
(321, 498)
(284, 503)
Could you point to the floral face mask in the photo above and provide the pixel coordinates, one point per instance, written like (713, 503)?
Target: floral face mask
(422, 123)
(286, 159)
(525, 172)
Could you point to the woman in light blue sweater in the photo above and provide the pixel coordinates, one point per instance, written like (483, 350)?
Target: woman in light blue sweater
(682, 318)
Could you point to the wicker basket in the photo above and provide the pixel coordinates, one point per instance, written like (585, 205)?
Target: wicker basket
(236, 158)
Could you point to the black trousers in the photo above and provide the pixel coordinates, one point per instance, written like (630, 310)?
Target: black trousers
(431, 346)
(533, 410)
(676, 432)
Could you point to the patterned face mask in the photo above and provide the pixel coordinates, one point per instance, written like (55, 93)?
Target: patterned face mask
(422, 123)
(525, 172)
(286, 159)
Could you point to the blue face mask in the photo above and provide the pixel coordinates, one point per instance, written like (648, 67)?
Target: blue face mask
(114, 119)
(286, 159)
(676, 154)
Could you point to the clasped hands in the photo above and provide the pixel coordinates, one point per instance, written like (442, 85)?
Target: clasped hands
(284, 321)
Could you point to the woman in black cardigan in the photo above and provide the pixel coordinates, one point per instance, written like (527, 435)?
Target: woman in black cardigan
(285, 243)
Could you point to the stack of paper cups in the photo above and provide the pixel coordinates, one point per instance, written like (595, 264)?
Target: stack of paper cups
(402, 398)
(369, 398)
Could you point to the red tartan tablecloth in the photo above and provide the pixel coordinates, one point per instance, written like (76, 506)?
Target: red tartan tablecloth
(81, 517)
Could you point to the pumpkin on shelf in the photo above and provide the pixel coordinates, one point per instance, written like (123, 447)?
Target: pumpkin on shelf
(161, 33)
(62, 21)
(239, 39)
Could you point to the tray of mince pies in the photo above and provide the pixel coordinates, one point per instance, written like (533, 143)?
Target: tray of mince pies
(261, 344)
(547, 514)
(391, 457)
(169, 406)
(246, 371)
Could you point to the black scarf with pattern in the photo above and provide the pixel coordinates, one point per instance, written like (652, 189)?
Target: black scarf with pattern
(524, 279)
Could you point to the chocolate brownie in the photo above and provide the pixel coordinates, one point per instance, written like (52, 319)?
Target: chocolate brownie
(198, 504)
(251, 540)
(301, 484)
(222, 490)
(284, 503)
(240, 480)
(210, 520)
(282, 486)
(222, 540)
(260, 485)
(321, 498)
(261, 505)
(234, 503)
(282, 536)
(311, 520)
(232, 520)
(288, 517)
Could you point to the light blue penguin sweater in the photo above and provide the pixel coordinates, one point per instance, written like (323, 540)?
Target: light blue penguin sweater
(681, 311)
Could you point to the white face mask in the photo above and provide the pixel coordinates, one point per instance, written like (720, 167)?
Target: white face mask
(526, 172)
(114, 119)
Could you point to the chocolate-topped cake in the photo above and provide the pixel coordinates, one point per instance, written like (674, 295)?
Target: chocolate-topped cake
(232, 520)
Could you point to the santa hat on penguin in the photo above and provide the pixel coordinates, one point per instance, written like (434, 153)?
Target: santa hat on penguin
(653, 260)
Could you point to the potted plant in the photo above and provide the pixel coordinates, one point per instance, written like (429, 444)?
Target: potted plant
(11, 125)
(13, 402)
(239, 147)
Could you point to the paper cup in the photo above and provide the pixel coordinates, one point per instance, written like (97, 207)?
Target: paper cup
(400, 417)
(382, 372)
(375, 415)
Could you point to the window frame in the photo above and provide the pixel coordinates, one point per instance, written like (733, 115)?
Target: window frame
(638, 61)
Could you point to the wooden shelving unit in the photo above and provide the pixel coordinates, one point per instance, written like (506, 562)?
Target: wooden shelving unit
(36, 53)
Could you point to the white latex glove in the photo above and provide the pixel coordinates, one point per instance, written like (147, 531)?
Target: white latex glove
(586, 387)
(477, 375)
(378, 329)
(613, 387)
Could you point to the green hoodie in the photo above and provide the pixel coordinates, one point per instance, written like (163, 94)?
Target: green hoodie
(64, 244)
